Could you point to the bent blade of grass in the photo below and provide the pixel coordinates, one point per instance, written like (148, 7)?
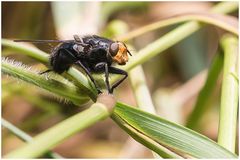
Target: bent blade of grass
(224, 22)
(53, 136)
(146, 141)
(60, 87)
(25, 137)
(179, 139)
(229, 94)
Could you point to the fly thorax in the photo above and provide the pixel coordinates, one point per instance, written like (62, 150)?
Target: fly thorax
(78, 48)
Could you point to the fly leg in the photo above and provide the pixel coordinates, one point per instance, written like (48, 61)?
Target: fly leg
(107, 77)
(89, 75)
(43, 72)
(103, 67)
(117, 71)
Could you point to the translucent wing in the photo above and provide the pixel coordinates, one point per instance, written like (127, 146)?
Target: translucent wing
(43, 41)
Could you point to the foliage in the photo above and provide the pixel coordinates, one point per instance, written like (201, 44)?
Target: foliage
(166, 138)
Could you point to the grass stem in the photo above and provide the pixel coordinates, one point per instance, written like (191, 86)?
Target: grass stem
(56, 84)
(229, 95)
(25, 137)
(55, 135)
(140, 89)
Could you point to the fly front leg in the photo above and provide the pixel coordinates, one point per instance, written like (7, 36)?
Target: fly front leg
(89, 75)
(43, 72)
(117, 71)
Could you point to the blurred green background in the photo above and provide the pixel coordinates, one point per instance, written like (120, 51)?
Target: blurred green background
(34, 110)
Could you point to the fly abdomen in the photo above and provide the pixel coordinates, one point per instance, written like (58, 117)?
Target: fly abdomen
(62, 60)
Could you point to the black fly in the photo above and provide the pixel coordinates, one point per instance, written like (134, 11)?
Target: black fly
(93, 53)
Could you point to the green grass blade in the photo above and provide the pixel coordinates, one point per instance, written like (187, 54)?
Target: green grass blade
(204, 96)
(179, 139)
(59, 86)
(146, 141)
(53, 136)
(229, 95)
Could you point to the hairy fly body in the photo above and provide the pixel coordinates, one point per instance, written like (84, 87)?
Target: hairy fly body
(92, 53)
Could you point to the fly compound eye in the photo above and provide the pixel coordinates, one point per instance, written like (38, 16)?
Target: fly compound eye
(114, 49)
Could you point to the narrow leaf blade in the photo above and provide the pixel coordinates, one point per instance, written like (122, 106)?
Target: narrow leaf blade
(182, 140)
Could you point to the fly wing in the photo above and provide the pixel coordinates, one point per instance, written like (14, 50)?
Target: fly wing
(43, 41)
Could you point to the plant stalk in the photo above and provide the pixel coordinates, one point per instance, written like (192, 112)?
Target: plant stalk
(140, 89)
(56, 84)
(55, 135)
(25, 137)
(229, 95)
